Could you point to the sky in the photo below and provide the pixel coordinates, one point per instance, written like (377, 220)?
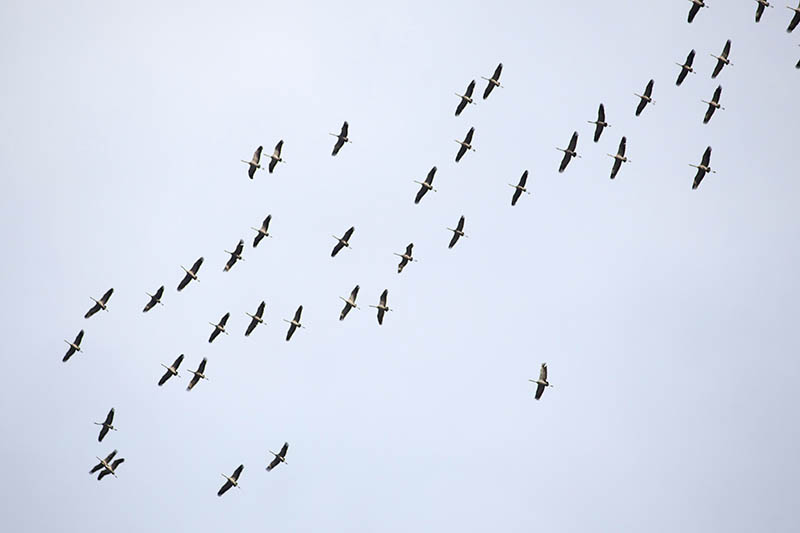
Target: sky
(666, 316)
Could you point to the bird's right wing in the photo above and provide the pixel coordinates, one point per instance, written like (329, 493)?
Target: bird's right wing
(196, 266)
(298, 313)
(225, 488)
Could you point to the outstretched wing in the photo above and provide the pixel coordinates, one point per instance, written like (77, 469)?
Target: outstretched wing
(229, 264)
(275, 462)
(698, 178)
(239, 247)
(470, 88)
(709, 113)
(257, 155)
(107, 295)
(429, 177)
(184, 282)
(265, 224)
(681, 76)
(103, 431)
(717, 68)
(196, 266)
(95, 308)
(795, 21)
(420, 193)
(615, 168)
(289, 333)
(195, 379)
(224, 488)
(621, 149)
(648, 91)
(284, 449)
(78, 338)
(214, 335)
(278, 148)
(523, 180)
(759, 11)
(349, 233)
(515, 197)
(337, 146)
(345, 129)
(453, 240)
(573, 142)
(336, 248)
(117, 463)
(177, 362)
(468, 138)
(641, 106)
(96, 467)
(693, 11)
(298, 313)
(539, 391)
(250, 327)
(109, 417)
(164, 378)
(354, 294)
(726, 49)
(717, 94)
(409, 249)
(384, 296)
(461, 105)
(260, 310)
(224, 319)
(460, 226)
(103, 474)
(598, 130)
(345, 310)
(461, 152)
(690, 58)
(706, 157)
(564, 162)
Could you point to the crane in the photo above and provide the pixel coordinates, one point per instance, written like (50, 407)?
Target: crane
(294, 323)
(466, 145)
(108, 424)
(569, 152)
(713, 105)
(172, 370)
(645, 98)
(341, 138)
(232, 481)
(425, 186)
(155, 299)
(686, 67)
(519, 188)
(280, 457)
(600, 123)
(197, 374)
(235, 255)
(74, 346)
(275, 158)
(696, 5)
(111, 469)
(703, 168)
(494, 81)
(219, 328)
(795, 19)
(99, 304)
(262, 232)
(466, 98)
(349, 303)
(255, 319)
(457, 232)
(255, 163)
(381, 307)
(405, 258)
(722, 59)
(191, 274)
(619, 158)
(760, 8)
(344, 242)
(542, 382)
(106, 466)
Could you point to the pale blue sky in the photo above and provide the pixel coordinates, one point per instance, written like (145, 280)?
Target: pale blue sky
(667, 316)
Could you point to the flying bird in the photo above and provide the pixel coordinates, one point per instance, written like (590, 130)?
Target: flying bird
(703, 168)
(107, 425)
(255, 163)
(722, 60)
(191, 274)
(349, 303)
(275, 158)
(255, 319)
(197, 374)
(235, 255)
(466, 145)
(294, 323)
(405, 258)
(341, 138)
(425, 186)
(569, 152)
(542, 382)
(494, 81)
(263, 231)
(466, 98)
(343, 242)
(111, 469)
(155, 299)
(280, 457)
(795, 19)
(760, 8)
(619, 158)
(104, 463)
(232, 481)
(696, 5)
(74, 346)
(645, 98)
(600, 123)
(519, 188)
(713, 105)
(686, 67)
(381, 307)
(99, 304)
(457, 232)
(171, 370)
(219, 328)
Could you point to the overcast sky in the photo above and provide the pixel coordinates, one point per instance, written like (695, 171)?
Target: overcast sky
(668, 317)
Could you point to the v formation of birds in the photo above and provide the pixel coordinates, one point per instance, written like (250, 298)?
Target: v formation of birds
(109, 464)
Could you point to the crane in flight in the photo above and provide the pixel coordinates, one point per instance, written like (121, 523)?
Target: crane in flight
(99, 304)
(235, 255)
(619, 158)
(108, 424)
(703, 168)
(760, 8)
(255, 319)
(191, 274)
(795, 19)
(197, 374)
(696, 5)
(349, 303)
(405, 258)
(713, 105)
(280, 457)
(542, 382)
(686, 67)
(74, 346)
(255, 163)
(600, 123)
(646, 98)
(425, 186)
(262, 232)
(276, 158)
(172, 370)
(466, 145)
(155, 299)
(219, 328)
(381, 307)
(457, 232)
(519, 188)
(343, 242)
(106, 466)
(294, 323)
(466, 98)
(569, 152)
(722, 59)
(493, 82)
(341, 138)
(231, 481)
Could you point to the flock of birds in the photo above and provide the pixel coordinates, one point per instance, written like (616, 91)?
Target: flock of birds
(109, 464)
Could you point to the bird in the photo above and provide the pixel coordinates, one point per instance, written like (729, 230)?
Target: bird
(106, 465)
(466, 98)
(381, 307)
(191, 274)
(235, 255)
(154, 299)
(696, 5)
(171, 370)
(74, 346)
(349, 303)
(219, 328)
(457, 232)
(569, 152)
(341, 138)
(795, 19)
(722, 60)
(232, 481)
(713, 105)
(600, 123)
(686, 67)
(703, 168)
(255, 319)
(343, 242)
(275, 158)
(519, 188)
(263, 231)
(466, 145)
(255, 163)
(405, 258)
(494, 81)
(111, 469)
(294, 323)
(99, 304)
(645, 98)
(197, 374)
(542, 382)
(280, 457)
(107, 425)
(425, 186)
(619, 158)
(760, 8)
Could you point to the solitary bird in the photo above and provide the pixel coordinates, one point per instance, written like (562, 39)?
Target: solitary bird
(519, 188)
(457, 232)
(619, 158)
(600, 123)
(722, 60)
(155, 299)
(263, 231)
(219, 328)
(275, 158)
(646, 98)
(795, 19)
(235, 255)
(703, 168)
(172, 370)
(280, 457)
(191, 274)
(381, 307)
(341, 138)
(107, 425)
(255, 319)
(405, 258)
(425, 186)
(696, 5)
(686, 67)
(494, 81)
(569, 152)
(760, 8)
(343, 242)
(255, 163)
(294, 323)
(349, 303)
(466, 145)
(197, 374)
(74, 346)
(466, 98)
(232, 481)
(99, 304)
(713, 105)
(106, 466)
(542, 382)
